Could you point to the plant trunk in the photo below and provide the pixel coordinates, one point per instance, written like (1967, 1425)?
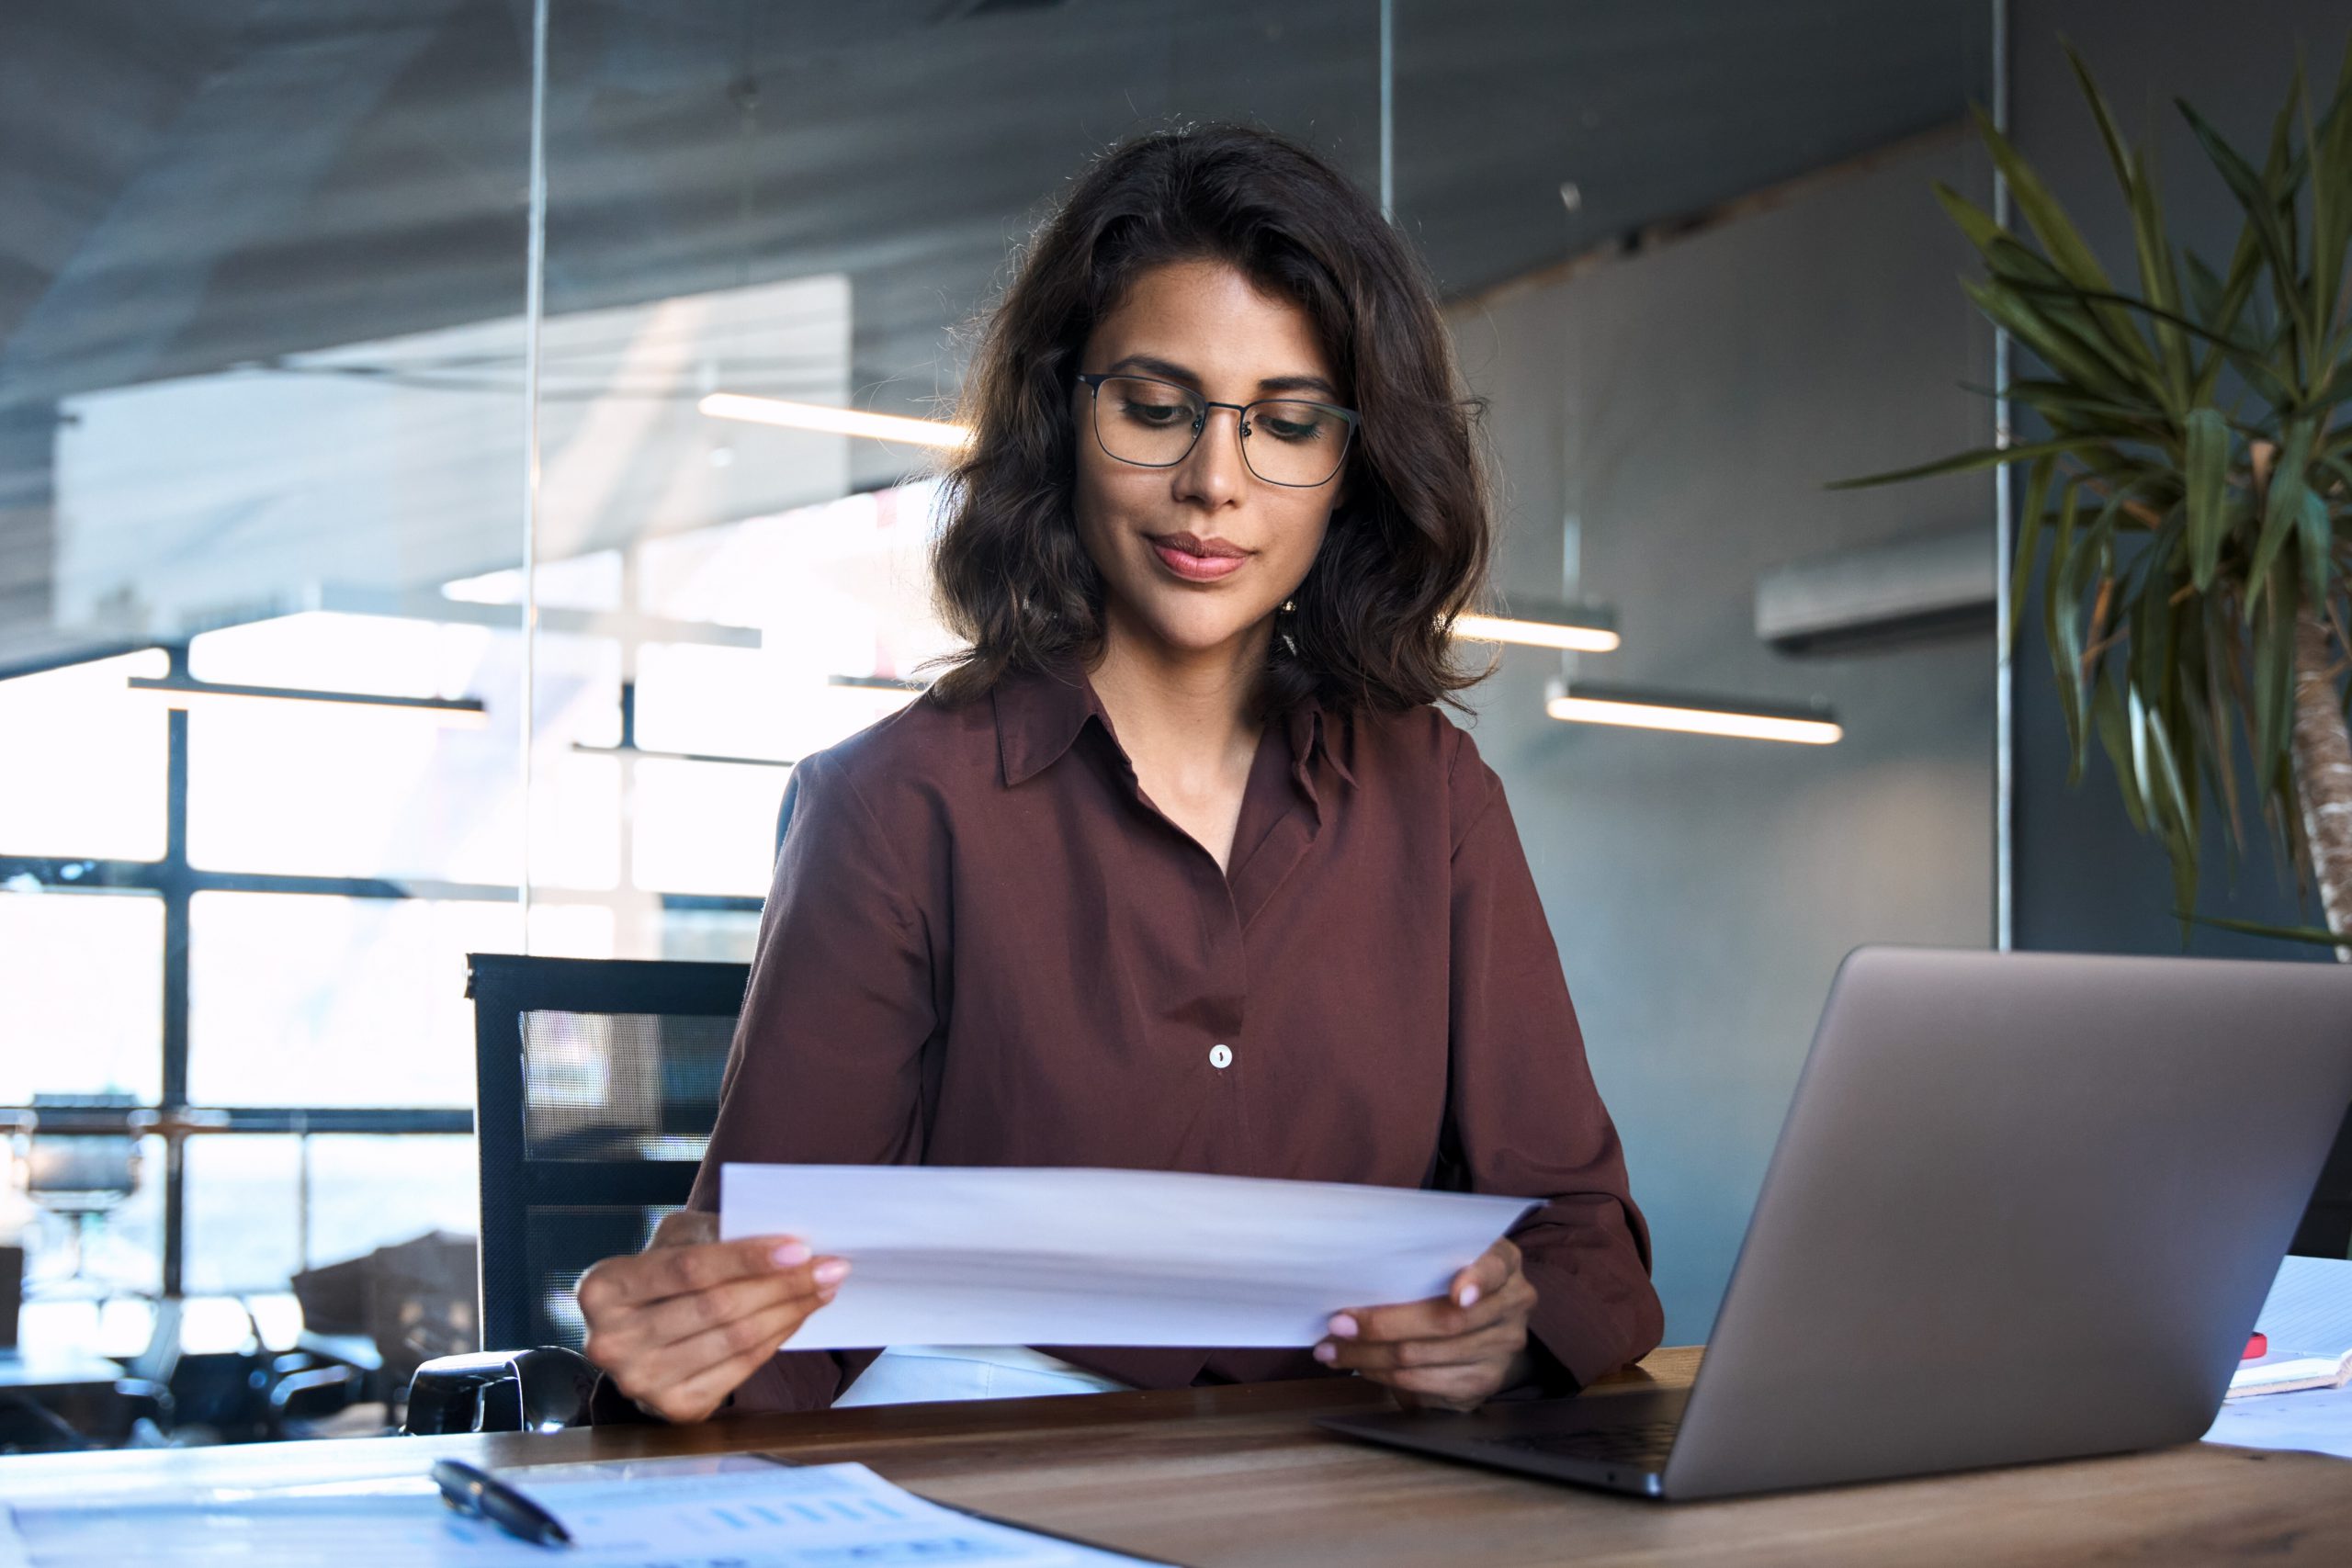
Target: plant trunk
(2323, 755)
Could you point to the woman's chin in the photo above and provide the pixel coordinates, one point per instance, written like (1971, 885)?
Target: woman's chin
(1195, 635)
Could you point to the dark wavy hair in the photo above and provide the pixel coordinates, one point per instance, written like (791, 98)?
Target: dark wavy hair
(1408, 547)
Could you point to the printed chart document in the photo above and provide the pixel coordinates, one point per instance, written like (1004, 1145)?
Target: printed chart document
(751, 1514)
(951, 1255)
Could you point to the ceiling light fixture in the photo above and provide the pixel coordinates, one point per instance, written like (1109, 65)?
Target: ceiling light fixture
(878, 683)
(833, 421)
(1543, 623)
(1585, 702)
(641, 753)
(184, 692)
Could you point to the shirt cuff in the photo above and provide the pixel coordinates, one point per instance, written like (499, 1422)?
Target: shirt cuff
(1589, 1322)
(609, 1406)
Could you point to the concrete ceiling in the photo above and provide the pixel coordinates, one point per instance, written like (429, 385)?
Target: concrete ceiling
(186, 184)
(190, 185)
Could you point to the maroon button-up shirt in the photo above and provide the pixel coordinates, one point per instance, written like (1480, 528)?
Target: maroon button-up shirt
(986, 946)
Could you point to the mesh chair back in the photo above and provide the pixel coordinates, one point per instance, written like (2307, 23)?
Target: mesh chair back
(598, 1083)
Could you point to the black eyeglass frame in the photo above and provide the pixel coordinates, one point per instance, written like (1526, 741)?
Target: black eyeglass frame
(1092, 382)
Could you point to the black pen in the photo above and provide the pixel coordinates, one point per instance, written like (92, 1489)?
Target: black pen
(472, 1490)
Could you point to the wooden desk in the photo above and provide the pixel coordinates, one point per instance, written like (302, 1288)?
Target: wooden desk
(1240, 1475)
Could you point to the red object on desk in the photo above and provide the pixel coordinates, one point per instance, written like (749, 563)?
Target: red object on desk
(2256, 1348)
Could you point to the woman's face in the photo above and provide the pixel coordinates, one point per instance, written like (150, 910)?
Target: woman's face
(1198, 556)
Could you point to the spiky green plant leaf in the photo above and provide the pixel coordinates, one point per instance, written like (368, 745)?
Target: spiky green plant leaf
(2198, 417)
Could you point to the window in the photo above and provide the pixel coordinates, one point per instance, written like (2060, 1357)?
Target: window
(81, 984)
(328, 864)
(297, 1000)
(85, 771)
(265, 1207)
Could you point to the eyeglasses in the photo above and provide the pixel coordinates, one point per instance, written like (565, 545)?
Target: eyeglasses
(1154, 424)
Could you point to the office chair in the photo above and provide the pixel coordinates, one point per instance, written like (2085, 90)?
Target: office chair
(597, 1084)
(80, 1176)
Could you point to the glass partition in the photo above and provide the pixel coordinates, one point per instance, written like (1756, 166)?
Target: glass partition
(262, 299)
(307, 689)
(316, 674)
(768, 209)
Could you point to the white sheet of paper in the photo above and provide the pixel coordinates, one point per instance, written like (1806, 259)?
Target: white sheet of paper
(651, 1515)
(2318, 1420)
(950, 1255)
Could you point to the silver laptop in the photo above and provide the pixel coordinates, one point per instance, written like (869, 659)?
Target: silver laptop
(2025, 1206)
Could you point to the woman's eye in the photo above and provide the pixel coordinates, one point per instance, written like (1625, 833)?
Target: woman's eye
(1311, 428)
(1154, 414)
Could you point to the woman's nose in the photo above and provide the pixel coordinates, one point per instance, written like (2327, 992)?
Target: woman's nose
(1214, 471)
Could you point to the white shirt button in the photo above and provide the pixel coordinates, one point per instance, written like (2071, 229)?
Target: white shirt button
(1220, 1056)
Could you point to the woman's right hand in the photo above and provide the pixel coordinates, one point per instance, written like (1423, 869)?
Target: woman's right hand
(680, 1325)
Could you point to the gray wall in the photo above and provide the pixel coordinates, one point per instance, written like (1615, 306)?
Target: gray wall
(1687, 403)
(2085, 880)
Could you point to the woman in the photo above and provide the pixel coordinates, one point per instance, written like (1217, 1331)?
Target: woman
(1179, 866)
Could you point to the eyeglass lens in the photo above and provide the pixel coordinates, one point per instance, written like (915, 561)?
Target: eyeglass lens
(1154, 423)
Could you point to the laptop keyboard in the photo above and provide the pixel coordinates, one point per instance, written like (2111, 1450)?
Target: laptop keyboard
(1645, 1444)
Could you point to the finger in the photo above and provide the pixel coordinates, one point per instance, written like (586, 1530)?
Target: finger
(679, 1270)
(1435, 1318)
(1502, 1340)
(702, 1394)
(697, 1399)
(763, 1332)
(687, 1380)
(686, 1227)
(1453, 1388)
(1491, 1271)
(677, 1318)
(1449, 1350)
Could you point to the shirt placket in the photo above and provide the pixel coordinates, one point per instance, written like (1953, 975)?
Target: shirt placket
(1223, 905)
(1230, 904)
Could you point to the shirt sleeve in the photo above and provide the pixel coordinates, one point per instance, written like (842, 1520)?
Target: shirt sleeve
(1525, 1116)
(826, 1066)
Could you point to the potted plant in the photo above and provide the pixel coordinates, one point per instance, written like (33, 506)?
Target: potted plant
(2188, 507)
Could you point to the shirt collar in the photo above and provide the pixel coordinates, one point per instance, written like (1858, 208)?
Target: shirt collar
(1039, 714)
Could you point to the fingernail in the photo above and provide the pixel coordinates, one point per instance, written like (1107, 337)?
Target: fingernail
(1344, 1327)
(1327, 1352)
(826, 1296)
(792, 1255)
(831, 1272)
(1469, 1296)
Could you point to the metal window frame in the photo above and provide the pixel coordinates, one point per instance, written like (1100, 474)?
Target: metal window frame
(174, 880)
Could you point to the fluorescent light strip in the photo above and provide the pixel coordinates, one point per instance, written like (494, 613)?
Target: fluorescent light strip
(833, 421)
(1694, 721)
(452, 713)
(642, 755)
(1536, 634)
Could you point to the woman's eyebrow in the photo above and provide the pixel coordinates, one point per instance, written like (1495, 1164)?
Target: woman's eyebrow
(1167, 371)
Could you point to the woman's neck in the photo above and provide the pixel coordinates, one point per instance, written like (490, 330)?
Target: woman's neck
(1190, 712)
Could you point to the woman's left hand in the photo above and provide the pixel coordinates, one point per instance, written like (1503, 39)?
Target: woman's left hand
(1453, 1350)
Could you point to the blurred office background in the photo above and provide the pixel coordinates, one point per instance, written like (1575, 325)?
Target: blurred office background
(267, 299)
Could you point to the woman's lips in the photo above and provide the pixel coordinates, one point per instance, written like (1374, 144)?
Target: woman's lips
(1194, 567)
